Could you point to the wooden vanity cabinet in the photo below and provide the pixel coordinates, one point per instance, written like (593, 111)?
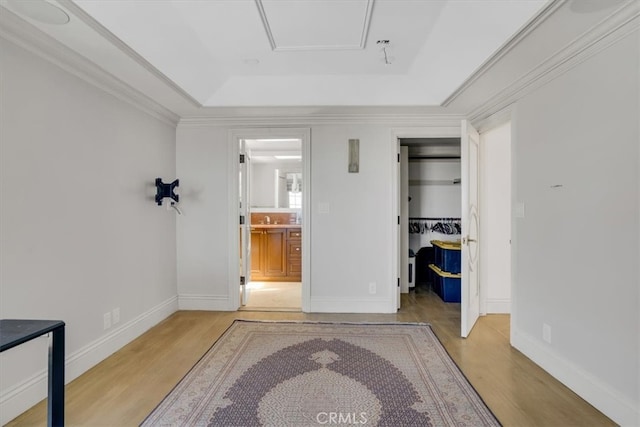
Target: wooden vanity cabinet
(268, 253)
(276, 254)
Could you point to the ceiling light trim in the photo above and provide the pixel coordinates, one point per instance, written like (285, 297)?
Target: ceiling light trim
(281, 48)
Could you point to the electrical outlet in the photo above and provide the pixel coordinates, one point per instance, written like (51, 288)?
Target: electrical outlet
(107, 320)
(115, 315)
(372, 287)
(546, 333)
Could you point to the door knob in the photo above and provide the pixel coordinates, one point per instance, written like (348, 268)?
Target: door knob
(467, 240)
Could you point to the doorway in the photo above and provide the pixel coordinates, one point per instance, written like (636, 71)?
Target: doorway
(469, 285)
(431, 217)
(272, 191)
(491, 291)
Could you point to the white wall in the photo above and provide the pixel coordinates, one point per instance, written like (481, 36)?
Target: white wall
(433, 200)
(495, 219)
(351, 244)
(81, 234)
(202, 164)
(576, 169)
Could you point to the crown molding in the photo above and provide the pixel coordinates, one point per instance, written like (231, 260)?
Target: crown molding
(607, 32)
(494, 120)
(305, 116)
(507, 47)
(124, 48)
(21, 33)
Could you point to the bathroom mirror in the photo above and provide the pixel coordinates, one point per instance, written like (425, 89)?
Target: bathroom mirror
(289, 190)
(276, 186)
(275, 173)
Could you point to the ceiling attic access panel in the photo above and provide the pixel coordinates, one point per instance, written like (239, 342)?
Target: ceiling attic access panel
(316, 25)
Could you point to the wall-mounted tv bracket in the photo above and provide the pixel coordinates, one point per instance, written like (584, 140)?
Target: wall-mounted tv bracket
(166, 190)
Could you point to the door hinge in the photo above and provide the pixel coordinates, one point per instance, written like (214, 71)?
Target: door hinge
(398, 157)
(241, 158)
(398, 282)
(243, 281)
(398, 219)
(241, 219)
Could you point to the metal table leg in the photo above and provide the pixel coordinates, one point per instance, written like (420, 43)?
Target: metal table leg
(55, 402)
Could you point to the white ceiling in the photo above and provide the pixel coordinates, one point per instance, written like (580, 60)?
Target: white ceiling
(266, 150)
(296, 52)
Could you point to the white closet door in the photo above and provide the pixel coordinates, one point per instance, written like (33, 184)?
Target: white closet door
(470, 286)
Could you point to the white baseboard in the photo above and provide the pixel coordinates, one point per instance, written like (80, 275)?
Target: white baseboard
(610, 402)
(205, 302)
(24, 395)
(496, 305)
(351, 305)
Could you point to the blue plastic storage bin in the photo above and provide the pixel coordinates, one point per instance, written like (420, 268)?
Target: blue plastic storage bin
(434, 279)
(446, 285)
(447, 256)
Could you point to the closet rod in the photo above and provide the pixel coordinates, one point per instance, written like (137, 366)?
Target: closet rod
(434, 219)
(426, 157)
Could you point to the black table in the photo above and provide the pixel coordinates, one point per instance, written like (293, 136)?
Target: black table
(14, 332)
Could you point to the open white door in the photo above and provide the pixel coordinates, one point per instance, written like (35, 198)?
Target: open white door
(404, 219)
(399, 228)
(470, 290)
(245, 225)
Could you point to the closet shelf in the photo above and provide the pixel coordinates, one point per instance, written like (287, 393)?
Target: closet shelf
(415, 182)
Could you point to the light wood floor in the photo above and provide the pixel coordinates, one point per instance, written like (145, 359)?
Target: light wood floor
(274, 296)
(123, 389)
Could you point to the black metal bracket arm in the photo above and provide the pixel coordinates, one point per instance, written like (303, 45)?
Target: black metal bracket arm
(166, 190)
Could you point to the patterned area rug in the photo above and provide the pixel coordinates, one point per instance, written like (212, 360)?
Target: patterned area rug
(313, 374)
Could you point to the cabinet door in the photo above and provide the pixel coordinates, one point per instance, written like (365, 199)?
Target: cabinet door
(294, 254)
(294, 249)
(294, 265)
(275, 252)
(256, 255)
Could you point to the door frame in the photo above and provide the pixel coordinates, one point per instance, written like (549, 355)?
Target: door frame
(394, 230)
(234, 137)
(509, 115)
(245, 229)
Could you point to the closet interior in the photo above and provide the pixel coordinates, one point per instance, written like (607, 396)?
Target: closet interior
(430, 218)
